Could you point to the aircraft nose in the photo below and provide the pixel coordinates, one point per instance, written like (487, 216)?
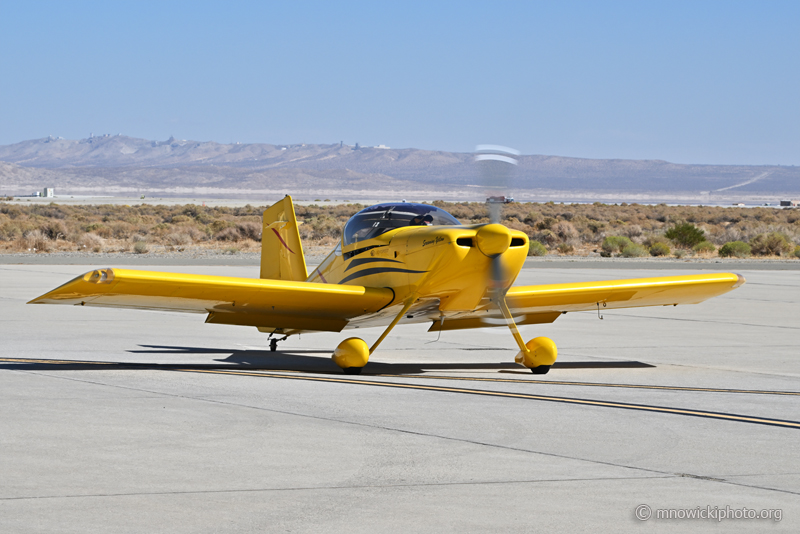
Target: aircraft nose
(493, 239)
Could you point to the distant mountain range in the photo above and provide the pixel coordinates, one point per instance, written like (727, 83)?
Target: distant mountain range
(121, 165)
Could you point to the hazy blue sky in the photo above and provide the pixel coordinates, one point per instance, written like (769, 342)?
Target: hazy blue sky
(689, 82)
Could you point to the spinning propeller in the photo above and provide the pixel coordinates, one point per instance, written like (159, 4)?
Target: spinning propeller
(496, 163)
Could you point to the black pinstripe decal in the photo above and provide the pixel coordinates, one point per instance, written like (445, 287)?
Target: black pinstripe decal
(358, 261)
(376, 270)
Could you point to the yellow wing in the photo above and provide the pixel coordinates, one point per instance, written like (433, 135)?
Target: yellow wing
(543, 304)
(240, 301)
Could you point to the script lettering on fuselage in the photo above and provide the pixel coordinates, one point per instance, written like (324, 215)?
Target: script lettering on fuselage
(426, 242)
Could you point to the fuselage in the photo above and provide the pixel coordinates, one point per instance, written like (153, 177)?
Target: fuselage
(445, 267)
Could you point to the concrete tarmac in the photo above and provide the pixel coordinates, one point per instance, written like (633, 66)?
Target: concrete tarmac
(132, 421)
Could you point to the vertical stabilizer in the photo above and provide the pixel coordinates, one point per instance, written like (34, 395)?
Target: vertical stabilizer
(281, 251)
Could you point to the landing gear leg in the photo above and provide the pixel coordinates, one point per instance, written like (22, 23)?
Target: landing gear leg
(273, 343)
(538, 354)
(352, 354)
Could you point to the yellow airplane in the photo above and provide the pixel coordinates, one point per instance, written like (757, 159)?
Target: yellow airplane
(396, 263)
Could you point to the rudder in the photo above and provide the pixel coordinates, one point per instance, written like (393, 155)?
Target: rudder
(281, 250)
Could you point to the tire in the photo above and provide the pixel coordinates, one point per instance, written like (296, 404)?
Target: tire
(540, 370)
(352, 370)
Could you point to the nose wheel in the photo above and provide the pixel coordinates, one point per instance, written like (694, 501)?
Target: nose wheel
(273, 345)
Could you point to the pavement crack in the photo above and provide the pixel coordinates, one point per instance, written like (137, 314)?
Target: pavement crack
(332, 487)
(708, 321)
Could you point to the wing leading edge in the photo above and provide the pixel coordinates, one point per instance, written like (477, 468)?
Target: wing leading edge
(240, 301)
(545, 303)
(632, 293)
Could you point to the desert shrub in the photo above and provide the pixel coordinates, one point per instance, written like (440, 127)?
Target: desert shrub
(218, 225)
(121, 229)
(735, 249)
(11, 230)
(100, 229)
(631, 230)
(652, 239)
(140, 247)
(228, 234)
(634, 251)
(659, 249)
(796, 252)
(324, 227)
(685, 234)
(54, 229)
(195, 234)
(546, 237)
(772, 244)
(704, 247)
(596, 226)
(51, 211)
(615, 243)
(565, 248)
(36, 240)
(91, 242)
(725, 235)
(536, 249)
(178, 238)
(546, 223)
(564, 230)
(250, 230)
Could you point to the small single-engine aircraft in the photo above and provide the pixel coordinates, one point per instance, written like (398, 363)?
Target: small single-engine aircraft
(396, 263)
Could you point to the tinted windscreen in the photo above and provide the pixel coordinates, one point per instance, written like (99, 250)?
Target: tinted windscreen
(375, 220)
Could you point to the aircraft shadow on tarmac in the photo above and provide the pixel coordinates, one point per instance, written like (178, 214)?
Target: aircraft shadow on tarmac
(294, 360)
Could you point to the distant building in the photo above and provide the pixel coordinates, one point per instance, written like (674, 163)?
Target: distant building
(501, 200)
(790, 203)
(49, 192)
(739, 204)
(381, 146)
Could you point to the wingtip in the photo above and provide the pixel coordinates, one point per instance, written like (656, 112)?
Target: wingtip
(740, 281)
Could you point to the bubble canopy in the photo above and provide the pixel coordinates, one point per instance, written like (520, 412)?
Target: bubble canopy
(376, 220)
